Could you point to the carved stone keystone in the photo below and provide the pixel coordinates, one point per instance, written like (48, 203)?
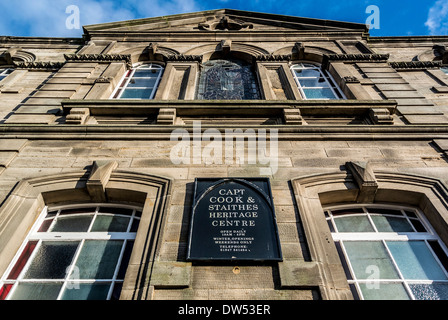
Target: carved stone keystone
(365, 178)
(225, 46)
(98, 179)
(298, 51)
(152, 50)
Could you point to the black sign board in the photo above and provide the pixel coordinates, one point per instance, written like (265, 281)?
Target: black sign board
(233, 219)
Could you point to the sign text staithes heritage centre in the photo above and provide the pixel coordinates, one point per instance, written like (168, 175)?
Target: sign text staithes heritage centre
(233, 219)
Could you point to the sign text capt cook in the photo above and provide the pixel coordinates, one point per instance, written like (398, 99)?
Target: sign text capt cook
(233, 219)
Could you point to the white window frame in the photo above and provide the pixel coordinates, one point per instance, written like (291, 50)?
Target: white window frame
(430, 235)
(337, 92)
(121, 87)
(34, 235)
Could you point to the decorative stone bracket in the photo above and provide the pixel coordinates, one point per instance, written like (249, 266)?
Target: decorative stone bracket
(166, 116)
(365, 178)
(78, 116)
(292, 117)
(381, 116)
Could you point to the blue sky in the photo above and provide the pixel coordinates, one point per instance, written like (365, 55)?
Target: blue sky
(47, 18)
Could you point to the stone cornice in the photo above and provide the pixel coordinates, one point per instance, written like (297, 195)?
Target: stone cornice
(288, 132)
(357, 57)
(354, 57)
(99, 58)
(415, 65)
(273, 57)
(183, 57)
(39, 65)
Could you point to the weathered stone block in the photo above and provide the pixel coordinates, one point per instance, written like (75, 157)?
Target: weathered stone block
(168, 274)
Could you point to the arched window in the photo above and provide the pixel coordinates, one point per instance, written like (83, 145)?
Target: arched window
(139, 83)
(227, 80)
(315, 83)
(389, 252)
(73, 253)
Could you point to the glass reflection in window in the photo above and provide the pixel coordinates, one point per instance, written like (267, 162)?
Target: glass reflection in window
(315, 83)
(227, 80)
(73, 254)
(389, 253)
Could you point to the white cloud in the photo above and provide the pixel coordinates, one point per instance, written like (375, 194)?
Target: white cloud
(437, 22)
(47, 18)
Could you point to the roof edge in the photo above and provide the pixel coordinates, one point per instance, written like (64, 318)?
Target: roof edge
(240, 13)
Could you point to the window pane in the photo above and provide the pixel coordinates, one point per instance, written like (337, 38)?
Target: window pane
(36, 291)
(142, 82)
(415, 261)
(440, 253)
(116, 291)
(325, 93)
(125, 260)
(343, 261)
(366, 256)
(4, 290)
(411, 213)
(98, 259)
(434, 291)
(385, 211)
(110, 223)
(52, 260)
(79, 210)
(316, 82)
(51, 214)
(136, 93)
(24, 256)
(346, 211)
(115, 210)
(418, 225)
(72, 224)
(227, 80)
(391, 224)
(147, 73)
(135, 224)
(87, 291)
(353, 224)
(384, 291)
(45, 225)
(314, 73)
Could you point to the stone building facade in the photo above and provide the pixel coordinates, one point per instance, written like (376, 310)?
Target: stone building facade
(94, 205)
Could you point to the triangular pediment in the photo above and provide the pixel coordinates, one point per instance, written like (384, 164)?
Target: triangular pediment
(226, 20)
